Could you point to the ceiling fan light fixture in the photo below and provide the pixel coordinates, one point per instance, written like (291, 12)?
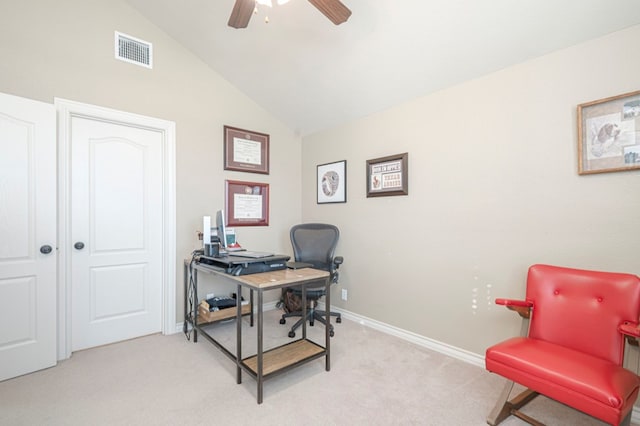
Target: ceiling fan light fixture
(265, 2)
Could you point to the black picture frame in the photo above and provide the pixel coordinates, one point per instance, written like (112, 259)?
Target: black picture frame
(331, 183)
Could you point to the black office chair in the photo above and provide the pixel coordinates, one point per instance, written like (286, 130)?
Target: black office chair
(315, 243)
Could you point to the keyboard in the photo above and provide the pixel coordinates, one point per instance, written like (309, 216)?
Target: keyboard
(251, 254)
(216, 303)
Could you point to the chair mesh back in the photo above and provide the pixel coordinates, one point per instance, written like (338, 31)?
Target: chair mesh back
(582, 309)
(315, 243)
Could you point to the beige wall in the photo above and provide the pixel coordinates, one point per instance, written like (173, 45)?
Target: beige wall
(65, 49)
(493, 188)
(493, 182)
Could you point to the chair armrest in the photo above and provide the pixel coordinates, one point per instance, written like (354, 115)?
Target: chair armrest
(631, 331)
(522, 307)
(338, 261)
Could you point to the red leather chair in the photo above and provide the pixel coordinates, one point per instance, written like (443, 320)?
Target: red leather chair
(573, 353)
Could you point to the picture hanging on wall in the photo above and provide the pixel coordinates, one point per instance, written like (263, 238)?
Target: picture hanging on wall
(388, 176)
(609, 134)
(246, 151)
(247, 203)
(332, 182)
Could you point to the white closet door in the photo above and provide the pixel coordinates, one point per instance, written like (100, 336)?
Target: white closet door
(116, 231)
(28, 246)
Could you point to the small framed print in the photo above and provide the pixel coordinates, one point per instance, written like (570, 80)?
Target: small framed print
(609, 134)
(388, 176)
(247, 203)
(332, 182)
(246, 151)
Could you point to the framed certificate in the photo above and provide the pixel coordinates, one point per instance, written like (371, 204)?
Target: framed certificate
(388, 176)
(247, 203)
(246, 151)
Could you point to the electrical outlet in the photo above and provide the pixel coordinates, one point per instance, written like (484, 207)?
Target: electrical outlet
(344, 294)
(210, 295)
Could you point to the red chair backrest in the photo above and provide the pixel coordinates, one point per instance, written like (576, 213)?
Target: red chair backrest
(582, 309)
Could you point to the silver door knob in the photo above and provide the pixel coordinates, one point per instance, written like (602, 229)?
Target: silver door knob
(46, 249)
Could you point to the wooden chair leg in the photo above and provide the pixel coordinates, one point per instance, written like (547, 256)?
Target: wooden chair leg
(505, 407)
(627, 420)
(501, 410)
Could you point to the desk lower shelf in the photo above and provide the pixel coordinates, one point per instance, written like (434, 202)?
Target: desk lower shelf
(278, 359)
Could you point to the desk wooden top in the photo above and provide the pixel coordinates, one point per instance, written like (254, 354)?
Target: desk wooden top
(272, 279)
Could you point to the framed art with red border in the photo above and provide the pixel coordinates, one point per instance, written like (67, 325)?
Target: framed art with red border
(246, 151)
(247, 203)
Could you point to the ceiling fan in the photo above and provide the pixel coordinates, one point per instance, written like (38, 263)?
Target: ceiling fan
(332, 9)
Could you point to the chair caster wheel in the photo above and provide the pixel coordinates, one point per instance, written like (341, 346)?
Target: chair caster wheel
(292, 334)
(283, 321)
(338, 320)
(331, 333)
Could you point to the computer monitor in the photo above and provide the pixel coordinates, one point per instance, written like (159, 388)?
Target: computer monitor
(220, 228)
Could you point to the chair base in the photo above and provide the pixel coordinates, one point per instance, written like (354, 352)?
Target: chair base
(312, 315)
(506, 407)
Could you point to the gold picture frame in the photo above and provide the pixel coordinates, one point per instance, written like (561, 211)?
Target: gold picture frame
(609, 134)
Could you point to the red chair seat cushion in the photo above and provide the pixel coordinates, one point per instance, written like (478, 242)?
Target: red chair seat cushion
(593, 385)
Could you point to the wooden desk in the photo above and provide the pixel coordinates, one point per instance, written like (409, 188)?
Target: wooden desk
(262, 365)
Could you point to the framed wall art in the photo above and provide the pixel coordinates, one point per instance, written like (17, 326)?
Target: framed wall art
(332, 182)
(247, 203)
(388, 176)
(246, 151)
(609, 134)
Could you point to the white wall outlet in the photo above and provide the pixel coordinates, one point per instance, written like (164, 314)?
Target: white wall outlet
(344, 294)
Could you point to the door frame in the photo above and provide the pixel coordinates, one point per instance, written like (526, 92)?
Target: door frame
(66, 111)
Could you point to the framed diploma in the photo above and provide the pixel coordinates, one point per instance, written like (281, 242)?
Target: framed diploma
(247, 203)
(246, 151)
(388, 176)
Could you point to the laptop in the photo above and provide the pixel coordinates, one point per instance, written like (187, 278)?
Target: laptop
(251, 254)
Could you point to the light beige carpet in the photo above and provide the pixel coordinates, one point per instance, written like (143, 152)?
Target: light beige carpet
(375, 379)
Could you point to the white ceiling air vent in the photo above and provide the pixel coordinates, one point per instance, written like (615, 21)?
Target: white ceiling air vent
(134, 50)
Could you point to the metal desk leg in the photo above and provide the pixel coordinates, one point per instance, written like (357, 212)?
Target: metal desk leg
(304, 311)
(260, 348)
(194, 276)
(185, 281)
(327, 336)
(251, 304)
(238, 335)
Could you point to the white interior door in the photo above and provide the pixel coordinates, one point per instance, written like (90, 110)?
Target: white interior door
(116, 231)
(28, 246)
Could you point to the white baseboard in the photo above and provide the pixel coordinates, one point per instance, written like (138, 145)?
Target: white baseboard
(409, 336)
(434, 345)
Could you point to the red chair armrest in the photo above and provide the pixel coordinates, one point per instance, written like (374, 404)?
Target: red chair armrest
(522, 307)
(630, 329)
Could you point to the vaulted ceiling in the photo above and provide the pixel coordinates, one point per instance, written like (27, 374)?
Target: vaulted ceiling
(313, 75)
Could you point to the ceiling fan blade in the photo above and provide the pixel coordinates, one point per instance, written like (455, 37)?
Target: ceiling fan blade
(241, 13)
(332, 9)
